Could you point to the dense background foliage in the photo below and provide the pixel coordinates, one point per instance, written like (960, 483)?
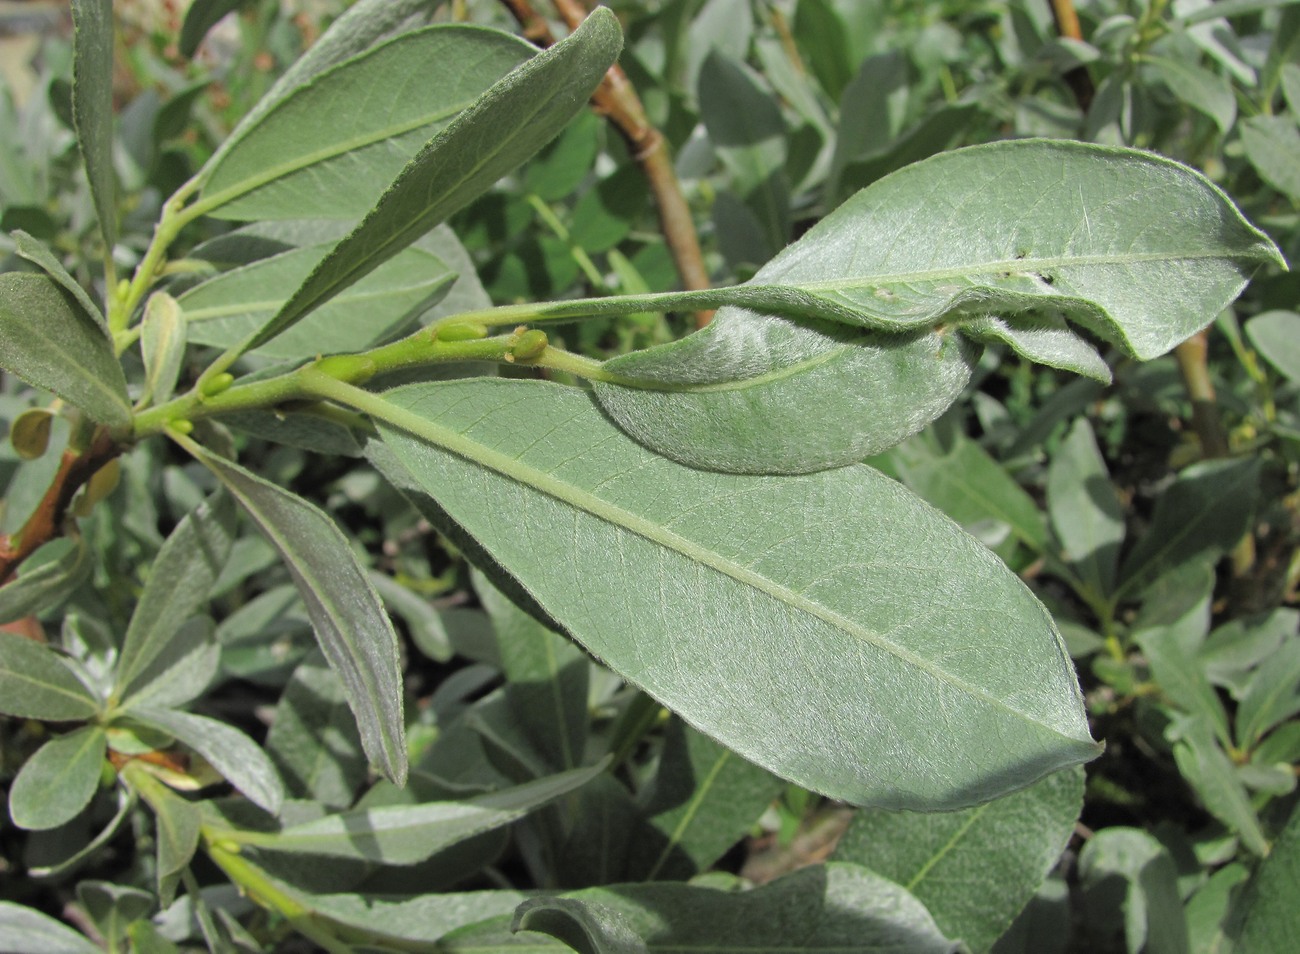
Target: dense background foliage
(1180, 480)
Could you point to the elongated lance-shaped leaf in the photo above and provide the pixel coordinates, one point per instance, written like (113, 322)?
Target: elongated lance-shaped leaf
(352, 628)
(49, 341)
(43, 586)
(35, 683)
(292, 165)
(993, 242)
(36, 252)
(514, 119)
(186, 567)
(831, 627)
(92, 106)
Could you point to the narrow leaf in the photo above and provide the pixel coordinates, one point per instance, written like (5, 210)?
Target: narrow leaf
(36, 252)
(508, 124)
(975, 869)
(225, 310)
(1042, 341)
(43, 586)
(162, 345)
(35, 683)
(240, 760)
(1085, 510)
(188, 564)
(59, 780)
(92, 106)
(292, 165)
(50, 342)
(1146, 896)
(29, 931)
(723, 597)
(181, 671)
(406, 834)
(351, 626)
(1211, 773)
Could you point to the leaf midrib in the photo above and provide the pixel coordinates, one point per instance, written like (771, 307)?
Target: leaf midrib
(617, 516)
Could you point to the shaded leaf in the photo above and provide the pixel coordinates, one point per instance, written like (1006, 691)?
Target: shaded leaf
(112, 907)
(92, 107)
(723, 596)
(50, 342)
(1268, 918)
(59, 780)
(35, 683)
(588, 927)
(29, 931)
(1276, 335)
(1084, 509)
(45, 579)
(201, 17)
(508, 124)
(351, 626)
(1129, 877)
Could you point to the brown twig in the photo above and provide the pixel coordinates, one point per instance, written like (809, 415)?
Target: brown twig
(616, 99)
(46, 521)
(1079, 79)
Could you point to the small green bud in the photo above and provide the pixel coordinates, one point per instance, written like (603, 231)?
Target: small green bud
(182, 426)
(528, 345)
(351, 368)
(30, 432)
(217, 383)
(459, 331)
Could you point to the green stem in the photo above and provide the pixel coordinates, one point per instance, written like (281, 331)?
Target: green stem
(611, 306)
(578, 253)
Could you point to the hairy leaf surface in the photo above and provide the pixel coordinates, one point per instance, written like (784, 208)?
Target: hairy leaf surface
(832, 627)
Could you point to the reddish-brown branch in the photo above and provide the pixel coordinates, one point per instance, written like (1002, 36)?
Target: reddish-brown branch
(616, 99)
(46, 521)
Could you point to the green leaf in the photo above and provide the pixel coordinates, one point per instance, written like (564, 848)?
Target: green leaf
(703, 799)
(290, 164)
(1044, 341)
(1147, 904)
(162, 345)
(112, 907)
(509, 123)
(240, 760)
(1020, 229)
(1084, 509)
(1200, 89)
(313, 740)
(44, 579)
(22, 929)
(36, 252)
(35, 683)
(1268, 919)
(808, 640)
(1272, 143)
(59, 780)
(1276, 336)
(1201, 515)
(588, 927)
(50, 342)
(92, 106)
(181, 671)
(180, 578)
(225, 310)
(1271, 696)
(406, 834)
(1211, 773)
(974, 870)
(749, 393)
(178, 824)
(201, 17)
(1181, 678)
(351, 626)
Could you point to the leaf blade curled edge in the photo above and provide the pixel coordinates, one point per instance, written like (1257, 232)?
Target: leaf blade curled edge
(726, 597)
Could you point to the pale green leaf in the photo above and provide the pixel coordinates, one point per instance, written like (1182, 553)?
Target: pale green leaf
(1042, 341)
(1272, 143)
(23, 929)
(162, 345)
(975, 869)
(351, 626)
(35, 683)
(50, 342)
(406, 834)
(59, 780)
(227, 309)
(1268, 920)
(240, 760)
(756, 393)
(1271, 696)
(1276, 336)
(814, 624)
(1201, 515)
(1181, 678)
(179, 580)
(1200, 89)
(1084, 509)
(511, 121)
(382, 106)
(1209, 771)
(92, 106)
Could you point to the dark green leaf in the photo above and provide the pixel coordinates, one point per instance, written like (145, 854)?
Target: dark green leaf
(59, 780)
(181, 576)
(92, 106)
(1145, 900)
(28, 931)
(40, 255)
(1271, 696)
(112, 907)
(240, 760)
(291, 165)
(201, 17)
(35, 683)
(1268, 919)
(1202, 515)
(351, 625)
(588, 927)
(729, 597)
(975, 869)
(44, 580)
(508, 124)
(50, 342)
